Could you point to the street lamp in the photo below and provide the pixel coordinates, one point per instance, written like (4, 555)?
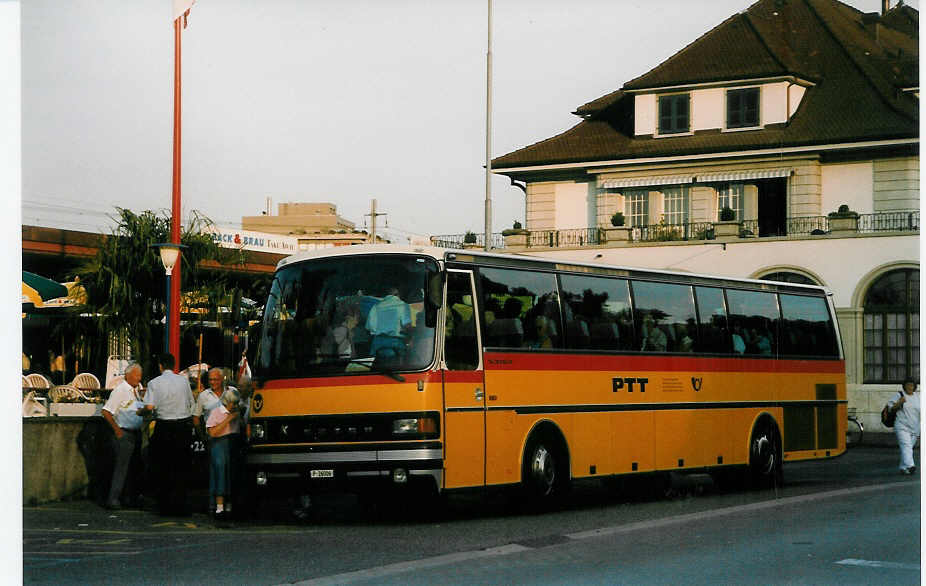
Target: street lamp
(170, 253)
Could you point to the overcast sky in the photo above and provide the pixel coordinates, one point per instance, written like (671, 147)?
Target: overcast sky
(319, 100)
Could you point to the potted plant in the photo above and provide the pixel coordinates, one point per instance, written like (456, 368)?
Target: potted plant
(727, 225)
(469, 240)
(515, 236)
(618, 232)
(843, 220)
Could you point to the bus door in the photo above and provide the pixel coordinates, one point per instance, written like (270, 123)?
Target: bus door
(464, 386)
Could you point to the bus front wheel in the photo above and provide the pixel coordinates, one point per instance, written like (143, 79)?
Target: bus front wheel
(765, 470)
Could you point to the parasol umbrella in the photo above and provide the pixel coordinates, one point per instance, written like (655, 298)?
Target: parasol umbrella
(76, 296)
(37, 290)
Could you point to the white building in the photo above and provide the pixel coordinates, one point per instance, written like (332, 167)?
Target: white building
(783, 113)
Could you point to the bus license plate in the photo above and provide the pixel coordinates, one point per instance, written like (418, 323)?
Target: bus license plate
(321, 474)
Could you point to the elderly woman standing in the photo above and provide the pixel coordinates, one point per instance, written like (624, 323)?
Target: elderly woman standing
(206, 402)
(209, 399)
(907, 425)
(223, 426)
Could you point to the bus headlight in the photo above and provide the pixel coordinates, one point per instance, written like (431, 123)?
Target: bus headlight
(420, 425)
(258, 431)
(404, 426)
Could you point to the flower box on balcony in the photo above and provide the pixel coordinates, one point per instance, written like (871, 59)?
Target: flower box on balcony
(725, 229)
(618, 234)
(843, 220)
(515, 238)
(847, 224)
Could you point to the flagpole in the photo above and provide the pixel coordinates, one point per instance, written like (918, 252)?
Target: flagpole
(488, 202)
(174, 314)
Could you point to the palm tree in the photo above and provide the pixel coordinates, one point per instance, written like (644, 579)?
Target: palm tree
(125, 281)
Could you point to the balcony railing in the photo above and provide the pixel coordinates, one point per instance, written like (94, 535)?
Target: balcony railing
(692, 231)
(459, 241)
(889, 222)
(564, 238)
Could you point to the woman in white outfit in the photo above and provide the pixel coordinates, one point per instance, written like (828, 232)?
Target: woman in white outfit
(907, 425)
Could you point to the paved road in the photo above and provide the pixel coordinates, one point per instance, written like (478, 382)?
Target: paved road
(835, 521)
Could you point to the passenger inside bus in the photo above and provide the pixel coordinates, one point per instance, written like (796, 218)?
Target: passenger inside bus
(738, 337)
(388, 322)
(338, 342)
(546, 330)
(507, 331)
(683, 341)
(654, 340)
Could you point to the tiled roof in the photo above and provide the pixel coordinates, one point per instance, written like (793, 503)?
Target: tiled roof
(857, 63)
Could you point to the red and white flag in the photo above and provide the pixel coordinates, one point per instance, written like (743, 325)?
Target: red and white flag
(181, 7)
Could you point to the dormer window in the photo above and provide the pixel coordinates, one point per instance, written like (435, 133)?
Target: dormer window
(674, 114)
(743, 108)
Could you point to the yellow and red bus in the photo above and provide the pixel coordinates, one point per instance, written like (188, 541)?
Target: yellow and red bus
(463, 369)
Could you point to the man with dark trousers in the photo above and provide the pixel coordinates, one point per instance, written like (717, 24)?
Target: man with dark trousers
(170, 397)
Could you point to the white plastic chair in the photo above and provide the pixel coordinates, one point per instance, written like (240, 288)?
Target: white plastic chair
(66, 394)
(86, 381)
(37, 381)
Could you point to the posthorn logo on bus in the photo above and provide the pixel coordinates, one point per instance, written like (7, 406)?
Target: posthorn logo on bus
(258, 403)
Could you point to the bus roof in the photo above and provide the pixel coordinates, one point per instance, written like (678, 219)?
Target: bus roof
(507, 260)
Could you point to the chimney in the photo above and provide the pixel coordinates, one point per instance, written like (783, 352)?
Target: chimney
(885, 6)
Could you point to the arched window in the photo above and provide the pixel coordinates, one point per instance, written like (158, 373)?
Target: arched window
(892, 327)
(789, 277)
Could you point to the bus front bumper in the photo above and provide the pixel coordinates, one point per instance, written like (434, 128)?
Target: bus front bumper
(319, 467)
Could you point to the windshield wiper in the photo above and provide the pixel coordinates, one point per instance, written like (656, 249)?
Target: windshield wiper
(378, 369)
(390, 373)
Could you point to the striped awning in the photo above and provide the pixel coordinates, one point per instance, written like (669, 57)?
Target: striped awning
(646, 181)
(750, 175)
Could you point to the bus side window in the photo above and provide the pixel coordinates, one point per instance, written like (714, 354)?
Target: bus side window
(530, 316)
(755, 317)
(597, 313)
(806, 327)
(460, 349)
(666, 312)
(714, 335)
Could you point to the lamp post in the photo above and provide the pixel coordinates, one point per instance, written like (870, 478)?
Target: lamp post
(170, 254)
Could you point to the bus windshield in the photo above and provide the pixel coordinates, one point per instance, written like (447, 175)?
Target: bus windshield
(349, 315)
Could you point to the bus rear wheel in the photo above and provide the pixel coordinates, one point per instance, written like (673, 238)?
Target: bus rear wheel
(765, 458)
(544, 473)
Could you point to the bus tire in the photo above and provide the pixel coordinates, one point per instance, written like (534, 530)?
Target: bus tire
(545, 471)
(765, 456)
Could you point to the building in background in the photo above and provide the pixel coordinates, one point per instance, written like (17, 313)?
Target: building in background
(299, 218)
(783, 113)
(312, 225)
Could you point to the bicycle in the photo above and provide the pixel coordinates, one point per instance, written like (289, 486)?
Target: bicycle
(854, 429)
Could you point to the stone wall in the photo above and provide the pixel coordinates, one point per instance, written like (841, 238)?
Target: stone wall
(60, 457)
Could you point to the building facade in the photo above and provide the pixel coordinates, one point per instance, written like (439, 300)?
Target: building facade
(802, 118)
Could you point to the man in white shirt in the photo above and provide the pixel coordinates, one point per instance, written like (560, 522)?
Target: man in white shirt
(122, 412)
(171, 399)
(386, 322)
